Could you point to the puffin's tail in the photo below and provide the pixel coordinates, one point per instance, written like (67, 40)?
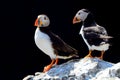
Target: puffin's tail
(75, 55)
(105, 37)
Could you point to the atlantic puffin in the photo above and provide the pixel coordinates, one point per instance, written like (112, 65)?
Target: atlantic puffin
(50, 43)
(94, 35)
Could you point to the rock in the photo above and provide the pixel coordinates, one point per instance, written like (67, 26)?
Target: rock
(80, 69)
(112, 73)
(29, 77)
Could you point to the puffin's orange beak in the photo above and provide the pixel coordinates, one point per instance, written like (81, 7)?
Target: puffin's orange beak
(36, 22)
(75, 20)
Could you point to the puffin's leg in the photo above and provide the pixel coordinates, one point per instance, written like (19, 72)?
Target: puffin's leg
(102, 53)
(46, 68)
(89, 55)
(56, 62)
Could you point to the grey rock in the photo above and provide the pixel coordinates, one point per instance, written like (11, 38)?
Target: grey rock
(81, 69)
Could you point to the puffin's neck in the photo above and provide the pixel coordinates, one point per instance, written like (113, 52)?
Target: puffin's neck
(89, 21)
(45, 29)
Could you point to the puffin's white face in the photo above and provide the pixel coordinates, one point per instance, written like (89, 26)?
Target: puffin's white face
(80, 16)
(42, 21)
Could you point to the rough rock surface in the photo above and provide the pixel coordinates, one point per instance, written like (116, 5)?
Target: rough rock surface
(82, 69)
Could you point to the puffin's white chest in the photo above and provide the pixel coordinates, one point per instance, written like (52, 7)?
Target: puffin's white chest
(43, 42)
(82, 34)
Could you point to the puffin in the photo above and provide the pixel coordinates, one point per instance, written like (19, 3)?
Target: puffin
(94, 35)
(50, 43)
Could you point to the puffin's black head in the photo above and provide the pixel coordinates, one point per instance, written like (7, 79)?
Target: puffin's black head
(42, 21)
(81, 16)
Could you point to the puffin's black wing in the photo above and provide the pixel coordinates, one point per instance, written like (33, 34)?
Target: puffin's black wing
(60, 46)
(96, 29)
(96, 35)
(96, 32)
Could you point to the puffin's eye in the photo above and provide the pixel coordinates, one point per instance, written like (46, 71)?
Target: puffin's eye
(45, 18)
(78, 13)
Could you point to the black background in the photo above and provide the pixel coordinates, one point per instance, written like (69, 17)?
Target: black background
(19, 54)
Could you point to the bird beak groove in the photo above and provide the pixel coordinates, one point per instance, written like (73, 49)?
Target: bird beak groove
(75, 20)
(41, 23)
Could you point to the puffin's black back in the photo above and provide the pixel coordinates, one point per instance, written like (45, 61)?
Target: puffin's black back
(89, 21)
(92, 36)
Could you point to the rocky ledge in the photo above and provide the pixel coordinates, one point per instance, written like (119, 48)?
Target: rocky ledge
(80, 69)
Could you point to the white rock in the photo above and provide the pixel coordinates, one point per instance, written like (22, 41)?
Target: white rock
(82, 69)
(29, 77)
(112, 73)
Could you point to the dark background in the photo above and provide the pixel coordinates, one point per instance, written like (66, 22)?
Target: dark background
(19, 54)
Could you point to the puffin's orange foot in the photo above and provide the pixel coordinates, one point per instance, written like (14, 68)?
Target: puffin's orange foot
(88, 56)
(100, 57)
(47, 68)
